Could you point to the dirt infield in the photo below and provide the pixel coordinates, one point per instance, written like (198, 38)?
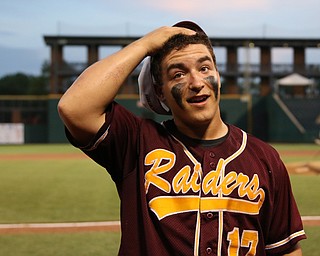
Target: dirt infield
(309, 168)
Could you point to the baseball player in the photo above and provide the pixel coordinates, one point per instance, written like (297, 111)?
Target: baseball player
(193, 185)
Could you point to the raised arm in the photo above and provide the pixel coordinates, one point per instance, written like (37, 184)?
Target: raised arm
(82, 107)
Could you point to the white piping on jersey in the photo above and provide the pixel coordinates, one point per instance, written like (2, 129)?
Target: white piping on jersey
(98, 141)
(225, 162)
(286, 240)
(198, 222)
(197, 235)
(220, 235)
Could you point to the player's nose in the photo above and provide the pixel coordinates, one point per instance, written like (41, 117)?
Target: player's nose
(196, 82)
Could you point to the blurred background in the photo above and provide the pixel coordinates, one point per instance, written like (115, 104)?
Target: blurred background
(268, 55)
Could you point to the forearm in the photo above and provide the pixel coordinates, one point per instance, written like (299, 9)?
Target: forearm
(99, 84)
(82, 106)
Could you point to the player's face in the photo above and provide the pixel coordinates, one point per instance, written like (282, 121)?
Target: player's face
(191, 85)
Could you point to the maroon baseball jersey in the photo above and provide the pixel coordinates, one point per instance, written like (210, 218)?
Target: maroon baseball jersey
(181, 196)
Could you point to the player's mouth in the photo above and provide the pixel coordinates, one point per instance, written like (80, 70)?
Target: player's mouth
(198, 99)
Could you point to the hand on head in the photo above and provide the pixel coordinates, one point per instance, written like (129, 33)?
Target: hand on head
(155, 39)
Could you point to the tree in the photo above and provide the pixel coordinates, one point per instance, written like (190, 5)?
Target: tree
(22, 84)
(14, 84)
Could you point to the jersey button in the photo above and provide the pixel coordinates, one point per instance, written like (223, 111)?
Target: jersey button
(212, 165)
(209, 215)
(211, 154)
(209, 250)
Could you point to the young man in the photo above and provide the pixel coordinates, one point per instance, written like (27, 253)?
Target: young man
(193, 185)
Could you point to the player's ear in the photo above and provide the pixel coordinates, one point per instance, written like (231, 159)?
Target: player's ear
(218, 78)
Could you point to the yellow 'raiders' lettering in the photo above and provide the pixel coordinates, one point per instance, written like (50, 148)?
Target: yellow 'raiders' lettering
(212, 179)
(155, 158)
(215, 183)
(182, 181)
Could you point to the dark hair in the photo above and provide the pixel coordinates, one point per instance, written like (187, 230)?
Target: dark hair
(177, 42)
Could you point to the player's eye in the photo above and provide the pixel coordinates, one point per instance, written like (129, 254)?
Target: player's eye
(204, 69)
(178, 75)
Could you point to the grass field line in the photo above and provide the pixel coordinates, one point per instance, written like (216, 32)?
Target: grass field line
(61, 225)
(305, 218)
(112, 225)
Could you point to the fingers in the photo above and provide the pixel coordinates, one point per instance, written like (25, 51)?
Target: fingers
(155, 39)
(180, 30)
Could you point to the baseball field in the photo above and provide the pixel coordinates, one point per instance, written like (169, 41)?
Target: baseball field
(56, 201)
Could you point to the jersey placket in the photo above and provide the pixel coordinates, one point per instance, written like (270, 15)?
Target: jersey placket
(219, 166)
(209, 218)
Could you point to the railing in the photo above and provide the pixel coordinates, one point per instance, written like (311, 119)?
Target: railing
(276, 69)
(310, 70)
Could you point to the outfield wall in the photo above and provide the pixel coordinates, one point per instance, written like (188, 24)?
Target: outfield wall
(260, 116)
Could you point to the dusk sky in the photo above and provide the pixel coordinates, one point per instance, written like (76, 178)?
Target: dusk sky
(24, 23)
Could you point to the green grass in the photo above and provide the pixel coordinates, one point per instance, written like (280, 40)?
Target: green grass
(306, 190)
(310, 246)
(314, 154)
(295, 146)
(96, 243)
(80, 190)
(56, 191)
(63, 244)
(74, 190)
